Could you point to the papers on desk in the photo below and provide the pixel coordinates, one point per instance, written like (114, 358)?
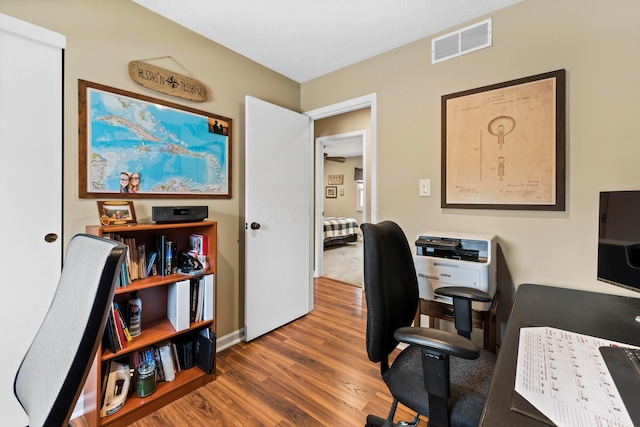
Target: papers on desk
(563, 375)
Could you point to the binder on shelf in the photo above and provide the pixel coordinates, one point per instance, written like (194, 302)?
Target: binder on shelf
(208, 302)
(205, 348)
(178, 311)
(185, 353)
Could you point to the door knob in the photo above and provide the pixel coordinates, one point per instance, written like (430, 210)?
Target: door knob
(255, 226)
(51, 237)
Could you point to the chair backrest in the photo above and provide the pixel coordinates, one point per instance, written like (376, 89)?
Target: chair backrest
(58, 361)
(391, 286)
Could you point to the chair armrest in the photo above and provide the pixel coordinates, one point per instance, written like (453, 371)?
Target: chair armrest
(440, 341)
(463, 292)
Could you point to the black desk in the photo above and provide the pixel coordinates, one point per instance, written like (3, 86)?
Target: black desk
(605, 316)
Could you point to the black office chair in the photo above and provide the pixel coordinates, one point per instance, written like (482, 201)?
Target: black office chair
(423, 377)
(52, 373)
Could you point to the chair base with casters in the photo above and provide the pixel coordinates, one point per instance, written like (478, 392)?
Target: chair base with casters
(450, 391)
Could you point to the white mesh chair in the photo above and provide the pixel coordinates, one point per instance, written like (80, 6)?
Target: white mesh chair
(53, 371)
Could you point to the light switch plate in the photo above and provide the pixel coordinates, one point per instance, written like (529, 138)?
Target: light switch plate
(424, 188)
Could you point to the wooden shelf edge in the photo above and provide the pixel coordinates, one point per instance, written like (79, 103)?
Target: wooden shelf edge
(157, 331)
(153, 281)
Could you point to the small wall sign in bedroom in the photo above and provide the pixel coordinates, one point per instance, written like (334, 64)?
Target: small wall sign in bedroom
(336, 179)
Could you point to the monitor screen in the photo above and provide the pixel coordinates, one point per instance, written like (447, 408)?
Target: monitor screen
(619, 238)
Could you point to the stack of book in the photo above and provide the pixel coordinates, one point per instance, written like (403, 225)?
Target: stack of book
(167, 256)
(202, 298)
(139, 263)
(116, 333)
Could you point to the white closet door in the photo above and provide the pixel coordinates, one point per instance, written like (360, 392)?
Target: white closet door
(31, 176)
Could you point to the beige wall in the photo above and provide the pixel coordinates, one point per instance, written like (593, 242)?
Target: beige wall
(102, 37)
(353, 121)
(345, 203)
(596, 42)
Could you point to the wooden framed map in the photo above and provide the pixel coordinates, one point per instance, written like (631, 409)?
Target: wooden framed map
(503, 145)
(134, 146)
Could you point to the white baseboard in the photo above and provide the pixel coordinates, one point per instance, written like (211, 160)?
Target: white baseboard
(229, 340)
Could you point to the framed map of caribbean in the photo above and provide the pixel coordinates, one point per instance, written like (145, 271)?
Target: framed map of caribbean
(134, 146)
(503, 146)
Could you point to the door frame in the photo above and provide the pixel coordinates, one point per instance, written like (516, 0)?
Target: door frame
(319, 190)
(369, 157)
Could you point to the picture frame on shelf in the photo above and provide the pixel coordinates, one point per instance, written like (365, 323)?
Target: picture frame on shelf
(116, 212)
(331, 192)
(174, 150)
(503, 145)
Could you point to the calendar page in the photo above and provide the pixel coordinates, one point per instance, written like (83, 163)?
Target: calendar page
(563, 375)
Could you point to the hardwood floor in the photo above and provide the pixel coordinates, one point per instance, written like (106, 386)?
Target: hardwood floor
(311, 372)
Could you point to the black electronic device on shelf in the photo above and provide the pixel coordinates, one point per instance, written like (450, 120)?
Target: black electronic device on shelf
(171, 214)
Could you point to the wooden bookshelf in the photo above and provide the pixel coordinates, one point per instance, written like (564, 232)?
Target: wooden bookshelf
(156, 327)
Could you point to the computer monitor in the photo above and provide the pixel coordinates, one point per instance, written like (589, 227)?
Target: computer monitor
(619, 238)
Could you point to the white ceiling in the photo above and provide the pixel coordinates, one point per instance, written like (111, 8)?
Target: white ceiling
(305, 39)
(344, 147)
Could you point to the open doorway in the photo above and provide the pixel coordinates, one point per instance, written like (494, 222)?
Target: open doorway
(367, 106)
(343, 203)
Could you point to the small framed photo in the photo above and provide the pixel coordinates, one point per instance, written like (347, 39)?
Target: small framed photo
(116, 212)
(331, 192)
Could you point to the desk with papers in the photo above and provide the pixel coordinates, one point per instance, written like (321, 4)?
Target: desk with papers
(557, 317)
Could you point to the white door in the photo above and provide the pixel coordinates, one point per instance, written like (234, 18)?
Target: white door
(31, 170)
(278, 216)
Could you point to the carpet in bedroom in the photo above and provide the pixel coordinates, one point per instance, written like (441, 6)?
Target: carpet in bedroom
(344, 263)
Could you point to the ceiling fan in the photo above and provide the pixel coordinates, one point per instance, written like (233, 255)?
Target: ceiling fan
(334, 159)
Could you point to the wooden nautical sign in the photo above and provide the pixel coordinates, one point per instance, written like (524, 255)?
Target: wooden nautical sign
(167, 81)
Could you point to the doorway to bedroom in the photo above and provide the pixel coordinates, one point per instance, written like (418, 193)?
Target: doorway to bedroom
(341, 196)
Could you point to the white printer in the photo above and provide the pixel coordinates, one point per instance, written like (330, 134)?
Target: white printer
(445, 258)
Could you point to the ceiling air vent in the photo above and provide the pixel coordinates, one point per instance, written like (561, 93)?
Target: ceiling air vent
(465, 40)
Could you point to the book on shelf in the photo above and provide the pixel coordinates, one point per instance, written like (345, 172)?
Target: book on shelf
(168, 258)
(201, 297)
(120, 339)
(161, 260)
(174, 352)
(142, 262)
(166, 360)
(158, 361)
(151, 263)
(108, 338)
(194, 290)
(172, 257)
(123, 323)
